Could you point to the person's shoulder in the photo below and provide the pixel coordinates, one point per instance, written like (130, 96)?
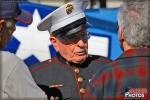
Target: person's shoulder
(99, 59)
(10, 64)
(8, 56)
(100, 78)
(101, 74)
(41, 65)
(9, 60)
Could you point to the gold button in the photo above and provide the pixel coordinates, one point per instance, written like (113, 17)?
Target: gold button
(80, 79)
(76, 70)
(82, 90)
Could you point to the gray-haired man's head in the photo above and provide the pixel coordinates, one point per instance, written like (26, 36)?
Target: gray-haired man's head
(134, 20)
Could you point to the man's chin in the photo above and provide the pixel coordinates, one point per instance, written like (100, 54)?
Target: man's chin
(80, 59)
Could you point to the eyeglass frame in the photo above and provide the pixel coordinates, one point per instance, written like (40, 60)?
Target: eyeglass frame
(70, 39)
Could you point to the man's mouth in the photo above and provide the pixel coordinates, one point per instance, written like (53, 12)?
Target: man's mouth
(81, 53)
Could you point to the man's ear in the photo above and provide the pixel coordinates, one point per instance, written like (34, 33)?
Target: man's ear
(1, 33)
(54, 42)
(1, 24)
(120, 34)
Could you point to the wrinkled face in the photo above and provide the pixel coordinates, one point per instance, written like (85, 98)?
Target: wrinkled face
(73, 47)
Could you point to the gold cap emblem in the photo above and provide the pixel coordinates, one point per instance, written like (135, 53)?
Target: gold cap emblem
(69, 8)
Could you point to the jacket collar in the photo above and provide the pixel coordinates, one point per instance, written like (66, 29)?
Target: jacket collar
(140, 52)
(64, 61)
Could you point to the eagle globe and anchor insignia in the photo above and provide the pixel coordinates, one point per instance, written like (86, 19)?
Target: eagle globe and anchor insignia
(69, 9)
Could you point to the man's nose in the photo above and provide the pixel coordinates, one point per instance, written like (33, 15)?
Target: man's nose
(81, 43)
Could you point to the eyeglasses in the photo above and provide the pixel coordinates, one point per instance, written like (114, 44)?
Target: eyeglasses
(74, 38)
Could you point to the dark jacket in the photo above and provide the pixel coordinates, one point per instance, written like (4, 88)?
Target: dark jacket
(70, 79)
(126, 78)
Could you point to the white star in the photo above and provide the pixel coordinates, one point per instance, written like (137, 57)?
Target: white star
(33, 42)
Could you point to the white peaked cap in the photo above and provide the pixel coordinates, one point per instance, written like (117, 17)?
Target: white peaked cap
(63, 16)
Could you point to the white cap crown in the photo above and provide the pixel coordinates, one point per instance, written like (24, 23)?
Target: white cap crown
(63, 16)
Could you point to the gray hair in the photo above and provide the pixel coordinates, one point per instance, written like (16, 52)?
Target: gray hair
(134, 20)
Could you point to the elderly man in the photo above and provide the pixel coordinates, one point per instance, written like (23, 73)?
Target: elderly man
(16, 80)
(129, 76)
(71, 69)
